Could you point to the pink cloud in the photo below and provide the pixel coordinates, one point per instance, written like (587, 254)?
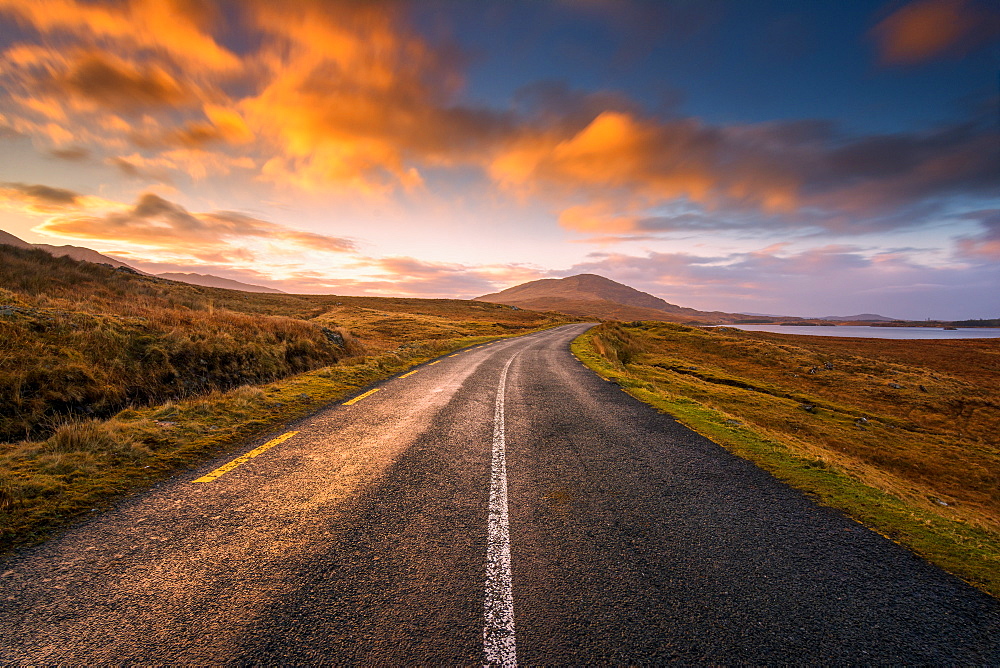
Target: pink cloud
(831, 280)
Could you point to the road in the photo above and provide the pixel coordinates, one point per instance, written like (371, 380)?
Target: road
(437, 520)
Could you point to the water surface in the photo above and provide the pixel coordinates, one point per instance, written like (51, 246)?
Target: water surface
(878, 332)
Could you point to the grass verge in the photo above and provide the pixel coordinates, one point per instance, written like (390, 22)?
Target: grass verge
(87, 465)
(811, 434)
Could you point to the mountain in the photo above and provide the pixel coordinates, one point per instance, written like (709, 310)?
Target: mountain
(593, 296)
(11, 240)
(210, 281)
(82, 254)
(88, 255)
(861, 317)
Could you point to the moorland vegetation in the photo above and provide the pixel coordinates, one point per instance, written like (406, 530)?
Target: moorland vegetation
(900, 434)
(110, 380)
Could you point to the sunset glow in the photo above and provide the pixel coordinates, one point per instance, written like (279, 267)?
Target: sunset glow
(770, 157)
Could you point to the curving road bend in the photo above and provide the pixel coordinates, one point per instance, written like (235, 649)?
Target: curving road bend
(439, 520)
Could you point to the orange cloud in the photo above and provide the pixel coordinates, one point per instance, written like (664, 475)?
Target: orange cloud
(113, 84)
(36, 198)
(346, 97)
(156, 223)
(622, 165)
(394, 276)
(178, 28)
(340, 96)
(927, 29)
(597, 218)
(355, 99)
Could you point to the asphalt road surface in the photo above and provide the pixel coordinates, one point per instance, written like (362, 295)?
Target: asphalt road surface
(502, 503)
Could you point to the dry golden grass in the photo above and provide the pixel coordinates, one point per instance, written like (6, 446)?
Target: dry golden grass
(81, 340)
(110, 380)
(919, 419)
(901, 434)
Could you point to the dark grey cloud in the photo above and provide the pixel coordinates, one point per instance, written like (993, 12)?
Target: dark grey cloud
(102, 79)
(71, 153)
(39, 195)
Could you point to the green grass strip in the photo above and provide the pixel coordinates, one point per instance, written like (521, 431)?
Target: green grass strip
(88, 466)
(971, 553)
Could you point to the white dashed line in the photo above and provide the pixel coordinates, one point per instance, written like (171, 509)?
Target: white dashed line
(498, 632)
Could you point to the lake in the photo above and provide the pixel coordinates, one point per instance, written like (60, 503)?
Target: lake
(878, 332)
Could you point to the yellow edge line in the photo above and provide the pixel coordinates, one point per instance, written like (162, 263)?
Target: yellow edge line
(409, 374)
(455, 355)
(434, 362)
(361, 396)
(226, 468)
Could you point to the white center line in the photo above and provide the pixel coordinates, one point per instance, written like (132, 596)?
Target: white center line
(498, 632)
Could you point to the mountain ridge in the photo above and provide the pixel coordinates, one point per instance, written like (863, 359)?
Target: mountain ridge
(84, 254)
(212, 281)
(591, 295)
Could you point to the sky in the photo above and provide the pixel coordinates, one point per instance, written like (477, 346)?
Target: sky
(777, 157)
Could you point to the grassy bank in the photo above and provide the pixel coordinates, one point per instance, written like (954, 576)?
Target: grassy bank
(110, 381)
(83, 340)
(901, 435)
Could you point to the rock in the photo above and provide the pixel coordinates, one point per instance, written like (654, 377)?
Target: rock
(814, 369)
(336, 338)
(126, 270)
(922, 388)
(808, 408)
(733, 422)
(895, 386)
(828, 366)
(304, 396)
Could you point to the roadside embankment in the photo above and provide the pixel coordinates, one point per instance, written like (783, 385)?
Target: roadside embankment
(110, 381)
(900, 435)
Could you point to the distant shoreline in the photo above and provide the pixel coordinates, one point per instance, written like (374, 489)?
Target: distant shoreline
(868, 331)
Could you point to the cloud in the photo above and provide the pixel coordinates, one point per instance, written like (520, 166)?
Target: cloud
(181, 29)
(355, 100)
(114, 84)
(984, 246)
(621, 172)
(195, 163)
(156, 223)
(826, 280)
(71, 153)
(37, 198)
(224, 126)
(233, 224)
(926, 30)
(138, 167)
(414, 276)
(621, 158)
(348, 98)
(407, 276)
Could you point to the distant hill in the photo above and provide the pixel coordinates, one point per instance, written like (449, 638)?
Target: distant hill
(861, 317)
(593, 296)
(11, 240)
(82, 254)
(210, 281)
(87, 255)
